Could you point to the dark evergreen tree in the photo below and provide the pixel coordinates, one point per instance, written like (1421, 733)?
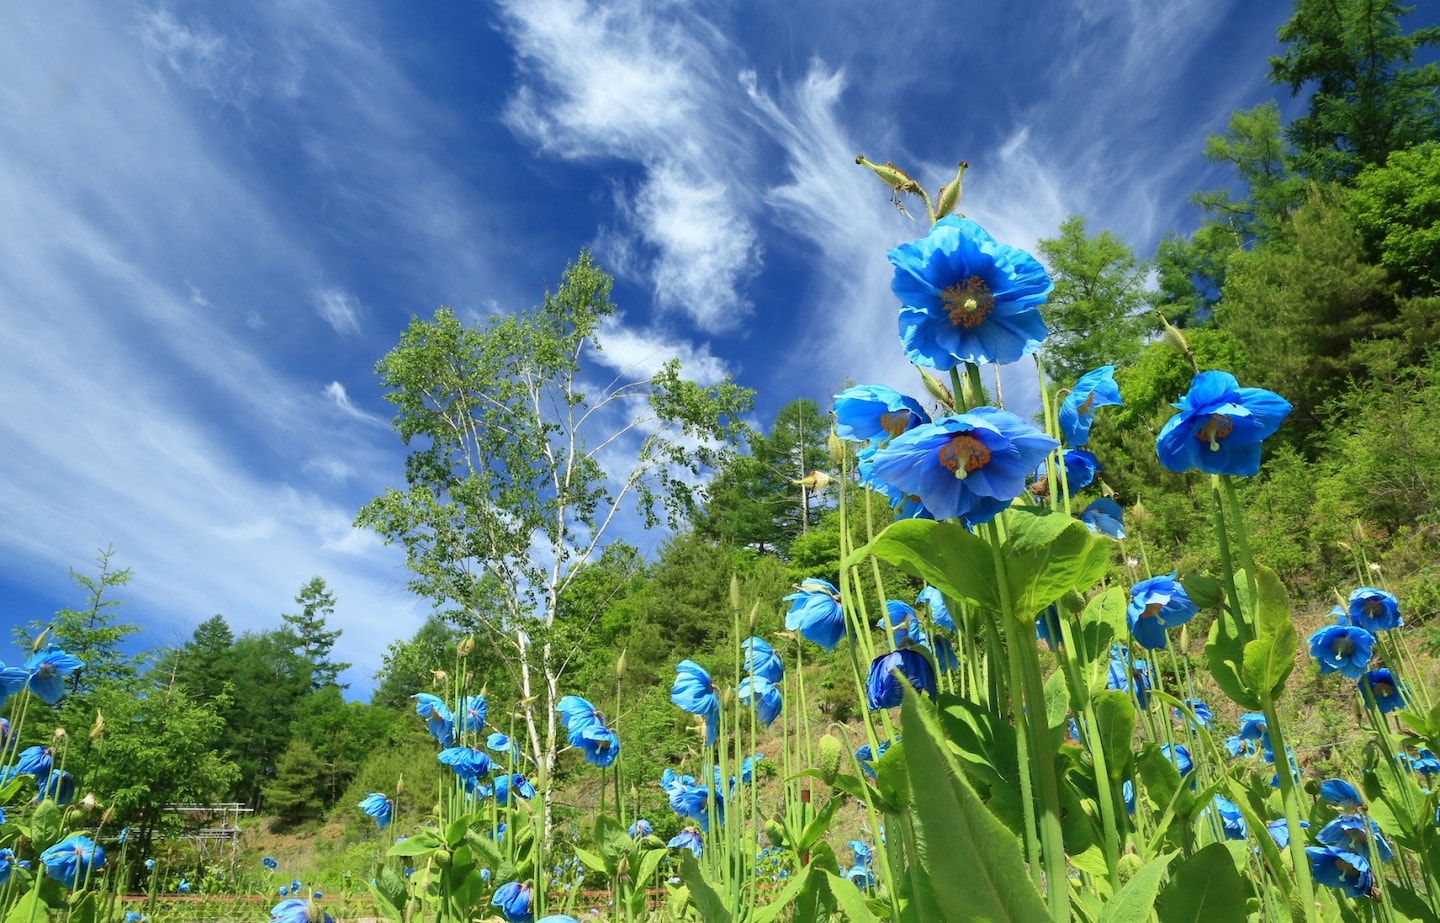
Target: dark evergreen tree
(313, 642)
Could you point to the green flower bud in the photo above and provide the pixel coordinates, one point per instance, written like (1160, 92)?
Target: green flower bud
(949, 194)
(831, 753)
(1128, 865)
(775, 832)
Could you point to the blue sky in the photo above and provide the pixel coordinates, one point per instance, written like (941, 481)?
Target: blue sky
(219, 216)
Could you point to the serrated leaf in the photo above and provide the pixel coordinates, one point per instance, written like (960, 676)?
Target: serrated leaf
(1269, 605)
(1224, 654)
(45, 828)
(1134, 901)
(945, 555)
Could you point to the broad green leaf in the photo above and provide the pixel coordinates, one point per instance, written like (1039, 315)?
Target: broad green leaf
(455, 833)
(1205, 592)
(45, 825)
(954, 830)
(817, 827)
(1224, 653)
(850, 898)
(1048, 553)
(650, 860)
(1268, 661)
(593, 861)
(1134, 901)
(418, 845)
(1270, 606)
(709, 903)
(83, 911)
(25, 909)
(1206, 888)
(1057, 701)
(947, 556)
(611, 838)
(1411, 905)
(1115, 717)
(390, 893)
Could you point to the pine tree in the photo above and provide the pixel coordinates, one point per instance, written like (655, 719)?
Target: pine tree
(312, 642)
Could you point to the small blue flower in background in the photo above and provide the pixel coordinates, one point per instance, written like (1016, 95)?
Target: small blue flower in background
(557, 918)
(1232, 822)
(1155, 605)
(861, 851)
(378, 807)
(48, 670)
(1280, 832)
(867, 759)
(1384, 688)
(686, 839)
(1353, 832)
(900, 619)
(763, 695)
(1295, 774)
(59, 788)
(513, 899)
(1338, 868)
(73, 859)
(967, 298)
(1343, 649)
(1077, 411)
(883, 688)
(875, 414)
(149, 864)
(599, 745)
(467, 762)
(270, 863)
(969, 466)
(1220, 426)
(761, 660)
(295, 886)
(296, 910)
(1374, 610)
(183, 887)
(473, 709)
(439, 719)
(7, 862)
(498, 742)
(1126, 675)
(861, 876)
(694, 692)
(1127, 792)
(35, 761)
(1341, 795)
(513, 784)
(641, 828)
(577, 714)
(747, 767)
(1424, 762)
(815, 613)
(939, 612)
(1080, 470)
(1104, 517)
(1180, 756)
(1252, 727)
(1201, 710)
(687, 797)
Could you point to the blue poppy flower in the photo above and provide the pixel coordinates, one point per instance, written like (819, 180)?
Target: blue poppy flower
(687, 797)
(467, 762)
(270, 863)
(473, 710)
(296, 910)
(12, 680)
(577, 715)
(969, 466)
(1353, 832)
(1232, 822)
(867, 759)
(1104, 517)
(1425, 763)
(599, 745)
(1345, 649)
(939, 612)
(686, 839)
(72, 860)
(183, 887)
(1385, 690)
(747, 766)
(1341, 795)
(1339, 868)
(1077, 411)
(1047, 628)
(966, 298)
(1374, 610)
(1180, 756)
(149, 864)
(378, 807)
(943, 651)
(7, 862)
(1155, 605)
(763, 696)
(513, 784)
(875, 413)
(1295, 775)
(761, 660)
(36, 761)
(901, 620)
(1080, 470)
(883, 688)
(513, 899)
(1127, 794)
(641, 828)
(498, 742)
(439, 719)
(48, 669)
(1279, 831)
(1125, 675)
(1220, 426)
(906, 505)
(861, 851)
(59, 787)
(1201, 710)
(694, 692)
(815, 613)
(1252, 727)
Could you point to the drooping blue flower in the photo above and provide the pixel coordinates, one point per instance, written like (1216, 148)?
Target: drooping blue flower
(939, 612)
(59, 787)
(867, 759)
(943, 651)
(48, 669)
(1383, 687)
(183, 887)
(905, 505)
(641, 828)
(513, 784)
(1345, 649)
(297, 910)
(686, 839)
(1232, 822)
(1252, 727)
(1180, 756)
(861, 877)
(1077, 411)
(761, 660)
(149, 864)
(1201, 710)
(1295, 775)
(1341, 795)
(467, 762)
(36, 761)
(513, 899)
(1080, 470)
(1125, 675)
(966, 298)
(1220, 426)
(1155, 605)
(747, 766)
(577, 715)
(861, 851)
(12, 680)
(7, 862)
(694, 692)
(270, 863)
(1353, 832)
(763, 696)
(901, 620)
(969, 466)
(1339, 868)
(883, 688)
(377, 806)
(687, 797)
(1279, 831)
(815, 613)
(498, 742)
(599, 745)
(473, 710)
(1425, 763)
(72, 860)
(1374, 610)
(439, 719)
(1127, 794)
(875, 413)
(1104, 517)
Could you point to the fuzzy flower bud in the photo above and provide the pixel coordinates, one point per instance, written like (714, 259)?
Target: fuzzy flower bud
(831, 752)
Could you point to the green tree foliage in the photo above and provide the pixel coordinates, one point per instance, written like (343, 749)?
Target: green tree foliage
(294, 795)
(1254, 144)
(1369, 96)
(1396, 207)
(93, 632)
(408, 667)
(313, 642)
(1096, 312)
(205, 664)
(268, 682)
(512, 483)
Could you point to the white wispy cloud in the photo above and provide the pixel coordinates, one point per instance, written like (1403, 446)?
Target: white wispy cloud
(341, 398)
(339, 310)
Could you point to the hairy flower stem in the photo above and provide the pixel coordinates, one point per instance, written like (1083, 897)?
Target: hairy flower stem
(1070, 656)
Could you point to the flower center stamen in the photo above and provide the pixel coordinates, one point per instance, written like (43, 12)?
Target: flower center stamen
(962, 454)
(968, 303)
(1152, 611)
(895, 423)
(1215, 429)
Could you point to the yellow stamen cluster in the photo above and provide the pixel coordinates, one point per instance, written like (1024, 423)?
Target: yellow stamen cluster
(968, 303)
(1215, 429)
(962, 454)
